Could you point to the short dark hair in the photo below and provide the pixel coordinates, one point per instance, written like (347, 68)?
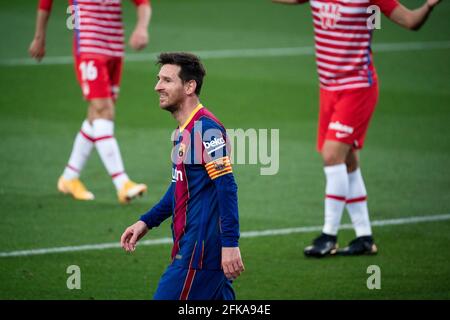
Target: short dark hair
(190, 64)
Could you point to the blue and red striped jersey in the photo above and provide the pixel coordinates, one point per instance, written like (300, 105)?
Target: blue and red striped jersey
(202, 196)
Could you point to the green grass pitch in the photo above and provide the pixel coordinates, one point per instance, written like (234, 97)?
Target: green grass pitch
(406, 160)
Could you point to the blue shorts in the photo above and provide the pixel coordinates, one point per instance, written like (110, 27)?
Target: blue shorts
(179, 283)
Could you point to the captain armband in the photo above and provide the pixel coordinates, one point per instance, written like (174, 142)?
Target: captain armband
(219, 167)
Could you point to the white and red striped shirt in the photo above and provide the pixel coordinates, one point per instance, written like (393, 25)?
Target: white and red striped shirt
(98, 25)
(343, 41)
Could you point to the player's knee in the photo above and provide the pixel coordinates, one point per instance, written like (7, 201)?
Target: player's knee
(331, 157)
(352, 161)
(101, 109)
(331, 160)
(334, 152)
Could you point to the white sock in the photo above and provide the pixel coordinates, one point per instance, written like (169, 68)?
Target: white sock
(357, 204)
(335, 194)
(109, 152)
(81, 150)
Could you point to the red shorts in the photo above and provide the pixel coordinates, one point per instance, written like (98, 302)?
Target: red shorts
(345, 115)
(98, 75)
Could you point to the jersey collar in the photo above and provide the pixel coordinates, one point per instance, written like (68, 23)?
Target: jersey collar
(193, 113)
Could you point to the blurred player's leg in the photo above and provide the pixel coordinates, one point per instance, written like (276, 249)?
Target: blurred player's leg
(337, 185)
(102, 112)
(69, 182)
(335, 194)
(358, 210)
(343, 121)
(334, 154)
(357, 199)
(82, 147)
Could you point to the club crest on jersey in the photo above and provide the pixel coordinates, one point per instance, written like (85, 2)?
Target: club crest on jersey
(329, 15)
(181, 150)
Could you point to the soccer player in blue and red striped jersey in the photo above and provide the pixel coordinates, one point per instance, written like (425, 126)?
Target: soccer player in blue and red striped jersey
(202, 196)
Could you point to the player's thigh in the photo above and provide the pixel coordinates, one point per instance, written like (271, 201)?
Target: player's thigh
(353, 111)
(369, 100)
(211, 285)
(225, 292)
(115, 66)
(326, 109)
(178, 283)
(334, 152)
(171, 284)
(101, 108)
(93, 76)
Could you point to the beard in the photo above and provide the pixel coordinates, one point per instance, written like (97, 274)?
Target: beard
(173, 105)
(171, 108)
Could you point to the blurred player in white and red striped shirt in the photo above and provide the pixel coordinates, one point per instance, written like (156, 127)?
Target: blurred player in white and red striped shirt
(98, 49)
(348, 96)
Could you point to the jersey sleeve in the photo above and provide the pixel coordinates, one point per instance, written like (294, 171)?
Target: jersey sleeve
(45, 5)
(386, 6)
(140, 2)
(161, 211)
(228, 209)
(218, 166)
(215, 149)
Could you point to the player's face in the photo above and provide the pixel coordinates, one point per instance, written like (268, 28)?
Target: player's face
(170, 87)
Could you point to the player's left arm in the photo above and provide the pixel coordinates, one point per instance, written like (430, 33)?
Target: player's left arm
(218, 166)
(139, 37)
(412, 19)
(226, 187)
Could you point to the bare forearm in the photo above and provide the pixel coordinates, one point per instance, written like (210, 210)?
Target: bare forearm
(139, 38)
(144, 14)
(41, 24)
(420, 16)
(413, 19)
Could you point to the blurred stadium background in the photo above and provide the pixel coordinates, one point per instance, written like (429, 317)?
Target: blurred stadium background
(406, 159)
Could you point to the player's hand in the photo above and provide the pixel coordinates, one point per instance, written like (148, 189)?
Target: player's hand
(139, 39)
(132, 235)
(232, 264)
(37, 48)
(432, 3)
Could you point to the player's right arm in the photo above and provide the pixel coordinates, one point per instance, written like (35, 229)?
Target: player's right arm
(161, 211)
(37, 46)
(153, 218)
(412, 19)
(290, 1)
